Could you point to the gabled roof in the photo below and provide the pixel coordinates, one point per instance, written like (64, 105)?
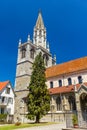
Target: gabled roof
(3, 85)
(67, 67)
(65, 89)
(39, 22)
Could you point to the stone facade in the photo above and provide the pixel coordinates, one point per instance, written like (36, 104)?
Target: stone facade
(70, 95)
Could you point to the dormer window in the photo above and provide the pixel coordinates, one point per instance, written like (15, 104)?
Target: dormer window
(79, 79)
(60, 83)
(69, 81)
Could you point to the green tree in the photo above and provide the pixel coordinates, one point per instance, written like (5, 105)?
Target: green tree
(38, 98)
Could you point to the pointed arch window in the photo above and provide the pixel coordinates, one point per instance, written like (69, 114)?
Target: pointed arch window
(79, 79)
(46, 58)
(69, 81)
(40, 33)
(32, 53)
(58, 103)
(72, 103)
(60, 83)
(23, 52)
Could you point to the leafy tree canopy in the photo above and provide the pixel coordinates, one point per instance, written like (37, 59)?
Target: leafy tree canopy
(38, 98)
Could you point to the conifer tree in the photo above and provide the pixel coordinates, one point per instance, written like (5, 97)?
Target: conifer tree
(38, 98)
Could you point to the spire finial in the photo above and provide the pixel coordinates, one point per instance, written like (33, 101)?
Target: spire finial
(40, 10)
(55, 57)
(28, 39)
(39, 22)
(48, 48)
(20, 41)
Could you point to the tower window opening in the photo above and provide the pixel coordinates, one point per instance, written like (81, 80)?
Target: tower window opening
(23, 54)
(40, 32)
(46, 58)
(32, 53)
(46, 61)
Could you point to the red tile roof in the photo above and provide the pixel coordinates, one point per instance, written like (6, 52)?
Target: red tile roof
(67, 67)
(3, 85)
(65, 89)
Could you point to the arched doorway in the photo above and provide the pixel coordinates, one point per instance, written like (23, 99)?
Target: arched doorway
(83, 102)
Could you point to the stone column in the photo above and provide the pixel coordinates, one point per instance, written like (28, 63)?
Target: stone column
(64, 103)
(77, 100)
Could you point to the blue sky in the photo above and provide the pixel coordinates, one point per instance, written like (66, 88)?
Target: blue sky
(65, 21)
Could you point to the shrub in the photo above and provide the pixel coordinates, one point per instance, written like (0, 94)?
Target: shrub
(74, 119)
(3, 117)
(18, 123)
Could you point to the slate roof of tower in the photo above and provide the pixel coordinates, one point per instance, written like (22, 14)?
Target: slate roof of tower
(67, 67)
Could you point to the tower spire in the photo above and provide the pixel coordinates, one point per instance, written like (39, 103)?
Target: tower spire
(39, 35)
(39, 22)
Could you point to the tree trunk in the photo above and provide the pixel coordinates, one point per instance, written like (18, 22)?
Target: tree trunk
(37, 118)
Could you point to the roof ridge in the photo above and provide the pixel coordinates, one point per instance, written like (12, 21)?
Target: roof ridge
(3, 84)
(68, 61)
(65, 89)
(4, 81)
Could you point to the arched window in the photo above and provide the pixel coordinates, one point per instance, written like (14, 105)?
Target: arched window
(83, 101)
(72, 103)
(23, 52)
(60, 83)
(46, 58)
(58, 103)
(69, 81)
(51, 84)
(79, 79)
(40, 33)
(32, 53)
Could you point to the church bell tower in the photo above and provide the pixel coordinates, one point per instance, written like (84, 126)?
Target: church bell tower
(27, 52)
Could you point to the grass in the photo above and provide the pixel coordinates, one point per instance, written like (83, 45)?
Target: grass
(12, 127)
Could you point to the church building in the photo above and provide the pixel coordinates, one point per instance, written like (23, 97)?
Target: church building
(67, 82)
